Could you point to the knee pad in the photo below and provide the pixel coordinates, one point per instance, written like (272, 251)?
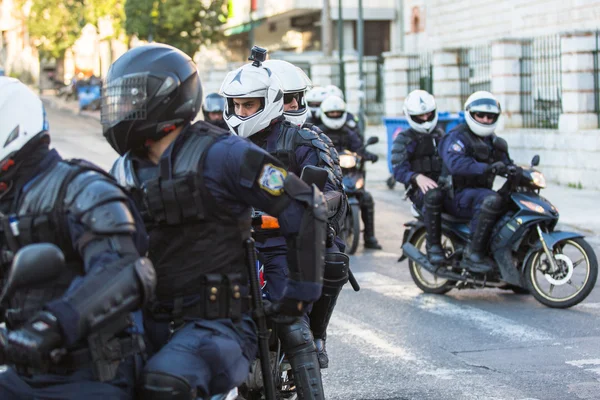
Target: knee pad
(492, 203)
(163, 386)
(367, 200)
(433, 197)
(336, 269)
(296, 338)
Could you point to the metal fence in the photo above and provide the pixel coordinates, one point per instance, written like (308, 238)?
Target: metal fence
(420, 72)
(597, 78)
(474, 70)
(541, 87)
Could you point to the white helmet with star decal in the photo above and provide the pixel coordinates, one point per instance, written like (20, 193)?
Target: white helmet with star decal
(421, 111)
(252, 81)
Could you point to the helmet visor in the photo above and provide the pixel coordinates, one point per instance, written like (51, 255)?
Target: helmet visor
(125, 99)
(214, 104)
(422, 118)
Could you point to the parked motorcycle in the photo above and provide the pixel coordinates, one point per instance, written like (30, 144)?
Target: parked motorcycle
(353, 169)
(558, 268)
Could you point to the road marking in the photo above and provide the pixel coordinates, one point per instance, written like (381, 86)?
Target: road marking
(439, 305)
(589, 305)
(587, 364)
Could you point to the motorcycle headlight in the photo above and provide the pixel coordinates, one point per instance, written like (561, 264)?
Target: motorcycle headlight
(538, 179)
(347, 161)
(360, 183)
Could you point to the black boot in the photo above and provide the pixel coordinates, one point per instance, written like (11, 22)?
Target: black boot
(299, 347)
(433, 225)
(367, 211)
(335, 277)
(474, 258)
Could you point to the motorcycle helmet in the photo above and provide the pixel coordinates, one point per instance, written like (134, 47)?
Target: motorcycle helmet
(420, 102)
(333, 112)
(213, 104)
(484, 105)
(314, 98)
(333, 90)
(252, 81)
(295, 83)
(23, 120)
(148, 92)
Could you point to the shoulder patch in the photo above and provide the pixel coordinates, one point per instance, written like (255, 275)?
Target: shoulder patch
(351, 123)
(457, 147)
(271, 179)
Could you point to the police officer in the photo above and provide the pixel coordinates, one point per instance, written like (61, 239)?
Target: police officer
(471, 159)
(196, 185)
(70, 335)
(345, 136)
(314, 98)
(213, 108)
(251, 113)
(416, 164)
(295, 84)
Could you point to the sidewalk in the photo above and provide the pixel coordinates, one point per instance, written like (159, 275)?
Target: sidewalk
(579, 209)
(53, 101)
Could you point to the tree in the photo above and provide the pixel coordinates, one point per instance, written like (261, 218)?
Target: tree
(54, 26)
(185, 24)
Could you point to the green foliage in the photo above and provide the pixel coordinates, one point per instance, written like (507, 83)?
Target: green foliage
(573, 185)
(185, 24)
(54, 25)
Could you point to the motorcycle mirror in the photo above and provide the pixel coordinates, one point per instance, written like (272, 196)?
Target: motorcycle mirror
(372, 140)
(500, 144)
(535, 161)
(311, 174)
(33, 264)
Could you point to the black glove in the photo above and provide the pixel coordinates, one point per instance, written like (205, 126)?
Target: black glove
(37, 342)
(372, 157)
(496, 168)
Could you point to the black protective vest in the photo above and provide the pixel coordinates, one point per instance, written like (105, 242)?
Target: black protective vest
(340, 138)
(425, 159)
(482, 151)
(190, 234)
(41, 217)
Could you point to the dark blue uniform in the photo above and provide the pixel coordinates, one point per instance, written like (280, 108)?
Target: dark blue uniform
(91, 220)
(467, 158)
(217, 179)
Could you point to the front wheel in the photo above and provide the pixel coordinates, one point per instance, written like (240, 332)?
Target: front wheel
(352, 228)
(572, 280)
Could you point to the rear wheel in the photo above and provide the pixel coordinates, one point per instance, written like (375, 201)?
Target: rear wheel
(425, 280)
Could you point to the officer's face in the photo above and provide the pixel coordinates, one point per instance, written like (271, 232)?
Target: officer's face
(334, 114)
(215, 116)
(246, 107)
(485, 118)
(290, 101)
(424, 117)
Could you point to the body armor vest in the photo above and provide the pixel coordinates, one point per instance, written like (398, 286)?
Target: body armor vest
(41, 217)
(340, 138)
(191, 236)
(425, 158)
(483, 152)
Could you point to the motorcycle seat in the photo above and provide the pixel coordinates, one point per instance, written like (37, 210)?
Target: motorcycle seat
(453, 219)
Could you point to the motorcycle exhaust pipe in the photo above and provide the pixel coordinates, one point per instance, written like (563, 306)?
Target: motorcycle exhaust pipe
(421, 259)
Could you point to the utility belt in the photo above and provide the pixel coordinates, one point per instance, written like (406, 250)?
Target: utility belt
(221, 297)
(103, 356)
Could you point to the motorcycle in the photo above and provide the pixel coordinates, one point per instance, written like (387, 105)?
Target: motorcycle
(353, 169)
(529, 256)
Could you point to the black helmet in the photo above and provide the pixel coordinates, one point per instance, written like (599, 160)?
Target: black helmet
(213, 103)
(148, 92)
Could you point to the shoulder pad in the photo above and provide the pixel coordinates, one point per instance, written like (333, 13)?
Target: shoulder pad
(89, 190)
(319, 144)
(327, 159)
(351, 123)
(308, 134)
(326, 139)
(122, 171)
(110, 218)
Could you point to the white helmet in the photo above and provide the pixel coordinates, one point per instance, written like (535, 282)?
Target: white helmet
(294, 81)
(333, 90)
(419, 102)
(331, 104)
(250, 81)
(314, 98)
(22, 114)
(485, 103)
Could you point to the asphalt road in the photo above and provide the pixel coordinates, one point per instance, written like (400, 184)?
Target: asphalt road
(391, 341)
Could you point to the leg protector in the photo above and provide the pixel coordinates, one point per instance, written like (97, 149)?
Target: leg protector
(475, 259)
(433, 225)
(163, 386)
(297, 343)
(367, 211)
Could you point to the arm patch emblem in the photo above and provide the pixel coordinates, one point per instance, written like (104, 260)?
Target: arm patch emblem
(271, 179)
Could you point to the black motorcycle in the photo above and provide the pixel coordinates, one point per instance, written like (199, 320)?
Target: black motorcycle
(353, 169)
(529, 255)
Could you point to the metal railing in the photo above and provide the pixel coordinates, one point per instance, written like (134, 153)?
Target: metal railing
(474, 70)
(541, 86)
(420, 72)
(597, 77)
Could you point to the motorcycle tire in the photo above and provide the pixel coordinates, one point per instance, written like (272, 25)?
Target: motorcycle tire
(590, 279)
(352, 228)
(440, 285)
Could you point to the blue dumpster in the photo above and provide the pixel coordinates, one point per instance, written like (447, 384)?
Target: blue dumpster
(89, 96)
